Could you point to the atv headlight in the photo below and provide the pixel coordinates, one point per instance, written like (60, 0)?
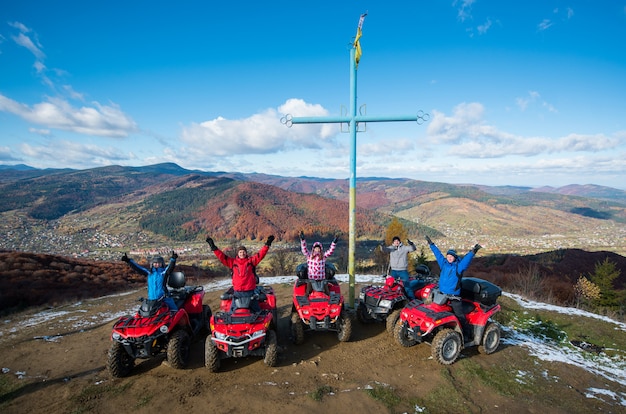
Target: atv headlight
(257, 334)
(219, 335)
(116, 336)
(385, 303)
(164, 329)
(362, 296)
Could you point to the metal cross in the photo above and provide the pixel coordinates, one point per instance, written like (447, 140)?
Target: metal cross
(353, 121)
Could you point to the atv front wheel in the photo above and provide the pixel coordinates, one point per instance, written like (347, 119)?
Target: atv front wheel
(211, 355)
(392, 320)
(491, 339)
(271, 349)
(400, 332)
(119, 362)
(446, 346)
(345, 327)
(362, 315)
(297, 329)
(178, 349)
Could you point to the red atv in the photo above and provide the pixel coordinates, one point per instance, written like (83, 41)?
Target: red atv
(384, 303)
(318, 305)
(242, 332)
(436, 323)
(155, 329)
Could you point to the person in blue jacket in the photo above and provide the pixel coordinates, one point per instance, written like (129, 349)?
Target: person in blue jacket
(451, 271)
(157, 277)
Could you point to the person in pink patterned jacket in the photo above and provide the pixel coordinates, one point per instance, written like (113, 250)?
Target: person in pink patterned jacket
(316, 259)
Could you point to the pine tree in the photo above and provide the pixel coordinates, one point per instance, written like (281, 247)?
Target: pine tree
(604, 275)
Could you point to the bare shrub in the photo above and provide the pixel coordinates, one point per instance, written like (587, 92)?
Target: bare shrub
(529, 283)
(281, 262)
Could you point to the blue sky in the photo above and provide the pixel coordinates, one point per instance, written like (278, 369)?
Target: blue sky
(518, 93)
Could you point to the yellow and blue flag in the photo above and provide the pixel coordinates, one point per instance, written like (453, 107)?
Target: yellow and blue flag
(357, 43)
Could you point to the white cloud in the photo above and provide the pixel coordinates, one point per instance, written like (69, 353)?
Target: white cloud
(73, 154)
(544, 25)
(260, 133)
(473, 138)
(386, 147)
(44, 132)
(483, 28)
(26, 42)
(6, 155)
(100, 120)
(464, 10)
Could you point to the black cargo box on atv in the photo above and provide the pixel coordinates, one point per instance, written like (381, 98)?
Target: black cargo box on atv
(302, 270)
(480, 290)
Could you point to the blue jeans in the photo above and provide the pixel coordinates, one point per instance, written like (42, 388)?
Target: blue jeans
(409, 285)
(170, 303)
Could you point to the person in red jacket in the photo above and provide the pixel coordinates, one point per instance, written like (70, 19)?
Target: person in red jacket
(242, 267)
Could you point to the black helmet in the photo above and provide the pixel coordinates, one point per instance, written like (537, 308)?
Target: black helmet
(176, 280)
(159, 260)
(422, 270)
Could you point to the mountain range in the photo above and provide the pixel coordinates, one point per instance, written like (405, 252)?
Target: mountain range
(166, 202)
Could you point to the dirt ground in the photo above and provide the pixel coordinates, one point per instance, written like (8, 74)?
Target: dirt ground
(58, 366)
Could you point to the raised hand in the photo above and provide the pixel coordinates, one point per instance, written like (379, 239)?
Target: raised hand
(211, 243)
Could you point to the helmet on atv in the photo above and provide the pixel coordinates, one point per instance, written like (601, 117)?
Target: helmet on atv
(317, 244)
(422, 270)
(176, 280)
(159, 260)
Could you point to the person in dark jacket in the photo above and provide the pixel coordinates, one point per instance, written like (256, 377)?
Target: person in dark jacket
(157, 277)
(243, 269)
(451, 271)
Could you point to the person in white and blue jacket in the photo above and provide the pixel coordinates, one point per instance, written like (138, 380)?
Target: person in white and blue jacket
(157, 277)
(451, 272)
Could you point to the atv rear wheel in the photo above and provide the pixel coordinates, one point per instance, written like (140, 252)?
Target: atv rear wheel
(490, 340)
(297, 329)
(362, 315)
(400, 332)
(206, 318)
(446, 346)
(211, 355)
(345, 327)
(178, 349)
(271, 349)
(119, 362)
(391, 321)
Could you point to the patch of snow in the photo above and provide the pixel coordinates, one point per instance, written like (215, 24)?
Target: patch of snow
(618, 397)
(529, 304)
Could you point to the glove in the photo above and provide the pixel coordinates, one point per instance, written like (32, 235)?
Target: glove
(211, 243)
(335, 240)
(301, 235)
(410, 242)
(428, 239)
(125, 258)
(476, 248)
(269, 241)
(174, 255)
